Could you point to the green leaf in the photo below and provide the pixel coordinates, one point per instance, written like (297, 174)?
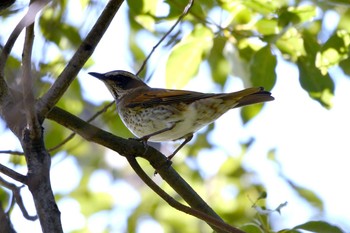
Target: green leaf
(291, 44)
(252, 228)
(320, 87)
(319, 227)
(63, 35)
(178, 7)
(249, 112)
(140, 7)
(310, 196)
(267, 26)
(334, 50)
(264, 7)
(219, 65)
(184, 60)
(262, 68)
(344, 22)
(262, 71)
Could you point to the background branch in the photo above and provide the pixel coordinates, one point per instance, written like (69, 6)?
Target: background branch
(217, 224)
(27, 83)
(17, 196)
(13, 174)
(27, 19)
(52, 96)
(5, 223)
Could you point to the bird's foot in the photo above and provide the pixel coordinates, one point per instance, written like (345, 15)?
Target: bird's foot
(144, 142)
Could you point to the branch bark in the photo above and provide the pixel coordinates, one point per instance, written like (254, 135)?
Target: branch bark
(5, 223)
(133, 148)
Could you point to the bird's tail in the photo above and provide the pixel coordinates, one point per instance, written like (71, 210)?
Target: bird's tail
(249, 96)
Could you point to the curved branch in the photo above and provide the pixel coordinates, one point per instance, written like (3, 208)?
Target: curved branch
(52, 96)
(27, 19)
(17, 196)
(218, 224)
(133, 148)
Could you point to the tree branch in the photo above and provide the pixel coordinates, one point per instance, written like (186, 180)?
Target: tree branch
(17, 196)
(27, 19)
(217, 224)
(12, 152)
(13, 174)
(27, 84)
(85, 50)
(5, 223)
(129, 148)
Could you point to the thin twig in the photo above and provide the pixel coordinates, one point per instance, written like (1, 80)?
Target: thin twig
(59, 87)
(27, 19)
(12, 152)
(184, 13)
(27, 84)
(17, 196)
(13, 174)
(177, 205)
(71, 136)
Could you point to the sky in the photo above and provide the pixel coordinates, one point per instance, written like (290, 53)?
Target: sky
(311, 142)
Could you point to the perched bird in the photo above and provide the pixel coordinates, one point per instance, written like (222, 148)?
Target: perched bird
(155, 114)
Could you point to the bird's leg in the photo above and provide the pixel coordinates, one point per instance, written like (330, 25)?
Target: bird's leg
(145, 138)
(188, 138)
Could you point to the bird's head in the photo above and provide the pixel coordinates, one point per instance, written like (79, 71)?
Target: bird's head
(119, 82)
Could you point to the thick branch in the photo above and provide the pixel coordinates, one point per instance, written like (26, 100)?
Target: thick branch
(134, 148)
(78, 60)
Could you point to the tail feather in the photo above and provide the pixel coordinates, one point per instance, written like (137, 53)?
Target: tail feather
(250, 96)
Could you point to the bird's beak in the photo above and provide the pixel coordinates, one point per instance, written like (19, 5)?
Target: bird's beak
(97, 75)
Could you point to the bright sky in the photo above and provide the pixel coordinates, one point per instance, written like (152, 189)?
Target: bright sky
(311, 142)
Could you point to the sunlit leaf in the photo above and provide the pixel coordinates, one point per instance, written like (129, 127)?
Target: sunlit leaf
(267, 26)
(262, 6)
(334, 50)
(184, 60)
(291, 44)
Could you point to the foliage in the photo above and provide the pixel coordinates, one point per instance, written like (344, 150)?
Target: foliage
(245, 39)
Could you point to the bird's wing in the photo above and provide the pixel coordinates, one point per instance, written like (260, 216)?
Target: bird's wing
(157, 96)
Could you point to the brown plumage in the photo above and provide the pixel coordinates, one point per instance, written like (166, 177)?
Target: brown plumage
(157, 114)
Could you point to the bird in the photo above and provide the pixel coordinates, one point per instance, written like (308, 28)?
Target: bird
(158, 115)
